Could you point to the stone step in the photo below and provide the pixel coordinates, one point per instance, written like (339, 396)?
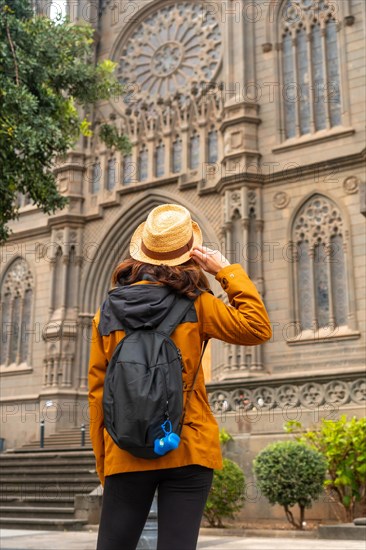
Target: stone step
(54, 470)
(42, 523)
(46, 457)
(24, 478)
(52, 448)
(65, 512)
(46, 453)
(38, 486)
(66, 443)
(76, 438)
(31, 500)
(14, 468)
(42, 491)
(65, 437)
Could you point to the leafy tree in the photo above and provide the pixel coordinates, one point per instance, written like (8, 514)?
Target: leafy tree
(290, 473)
(227, 492)
(47, 70)
(343, 444)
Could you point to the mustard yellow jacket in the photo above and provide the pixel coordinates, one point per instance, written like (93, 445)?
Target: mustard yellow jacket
(244, 322)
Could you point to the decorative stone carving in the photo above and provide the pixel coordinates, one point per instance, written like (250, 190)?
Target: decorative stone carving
(318, 220)
(235, 199)
(171, 50)
(281, 200)
(220, 401)
(358, 391)
(337, 392)
(236, 139)
(310, 395)
(351, 184)
(264, 396)
(267, 47)
(287, 395)
(63, 184)
(252, 198)
(349, 20)
(241, 398)
(295, 11)
(18, 278)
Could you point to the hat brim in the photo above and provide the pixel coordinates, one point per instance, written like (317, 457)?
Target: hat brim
(137, 253)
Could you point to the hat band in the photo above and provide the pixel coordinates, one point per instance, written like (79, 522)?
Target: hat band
(172, 255)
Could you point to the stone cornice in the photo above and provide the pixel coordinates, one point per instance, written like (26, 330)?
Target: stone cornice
(68, 166)
(28, 233)
(286, 378)
(135, 188)
(304, 141)
(290, 175)
(285, 176)
(240, 120)
(318, 168)
(71, 220)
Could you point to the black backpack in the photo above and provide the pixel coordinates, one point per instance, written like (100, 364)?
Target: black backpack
(143, 386)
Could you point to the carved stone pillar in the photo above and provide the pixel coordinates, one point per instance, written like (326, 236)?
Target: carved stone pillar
(242, 230)
(84, 337)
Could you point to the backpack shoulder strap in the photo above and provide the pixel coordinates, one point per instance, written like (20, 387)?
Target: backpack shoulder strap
(192, 387)
(175, 315)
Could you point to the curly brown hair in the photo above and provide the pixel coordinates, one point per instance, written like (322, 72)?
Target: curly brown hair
(186, 279)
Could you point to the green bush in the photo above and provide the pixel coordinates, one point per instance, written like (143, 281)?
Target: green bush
(290, 473)
(343, 444)
(227, 494)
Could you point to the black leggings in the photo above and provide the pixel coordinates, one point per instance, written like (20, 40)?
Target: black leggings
(127, 498)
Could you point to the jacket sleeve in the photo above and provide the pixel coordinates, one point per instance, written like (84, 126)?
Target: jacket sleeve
(97, 368)
(245, 321)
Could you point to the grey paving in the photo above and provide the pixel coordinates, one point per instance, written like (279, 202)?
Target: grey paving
(11, 539)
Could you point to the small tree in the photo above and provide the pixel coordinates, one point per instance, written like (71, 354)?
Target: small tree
(48, 72)
(290, 473)
(343, 445)
(227, 492)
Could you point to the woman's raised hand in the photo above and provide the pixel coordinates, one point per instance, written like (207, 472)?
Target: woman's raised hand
(210, 260)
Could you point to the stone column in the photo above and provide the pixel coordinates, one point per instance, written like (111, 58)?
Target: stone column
(85, 323)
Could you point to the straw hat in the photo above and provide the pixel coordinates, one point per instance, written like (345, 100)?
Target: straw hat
(167, 236)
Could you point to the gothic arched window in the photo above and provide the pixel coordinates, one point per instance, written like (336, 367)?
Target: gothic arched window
(310, 67)
(194, 151)
(212, 146)
(160, 160)
(177, 155)
(320, 268)
(143, 164)
(96, 177)
(128, 169)
(16, 308)
(111, 174)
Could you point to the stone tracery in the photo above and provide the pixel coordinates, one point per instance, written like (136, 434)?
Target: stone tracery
(173, 48)
(16, 302)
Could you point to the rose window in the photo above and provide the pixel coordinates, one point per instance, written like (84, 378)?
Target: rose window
(171, 49)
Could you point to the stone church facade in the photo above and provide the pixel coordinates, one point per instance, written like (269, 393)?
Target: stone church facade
(250, 114)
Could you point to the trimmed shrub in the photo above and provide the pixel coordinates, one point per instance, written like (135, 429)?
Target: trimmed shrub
(227, 494)
(290, 473)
